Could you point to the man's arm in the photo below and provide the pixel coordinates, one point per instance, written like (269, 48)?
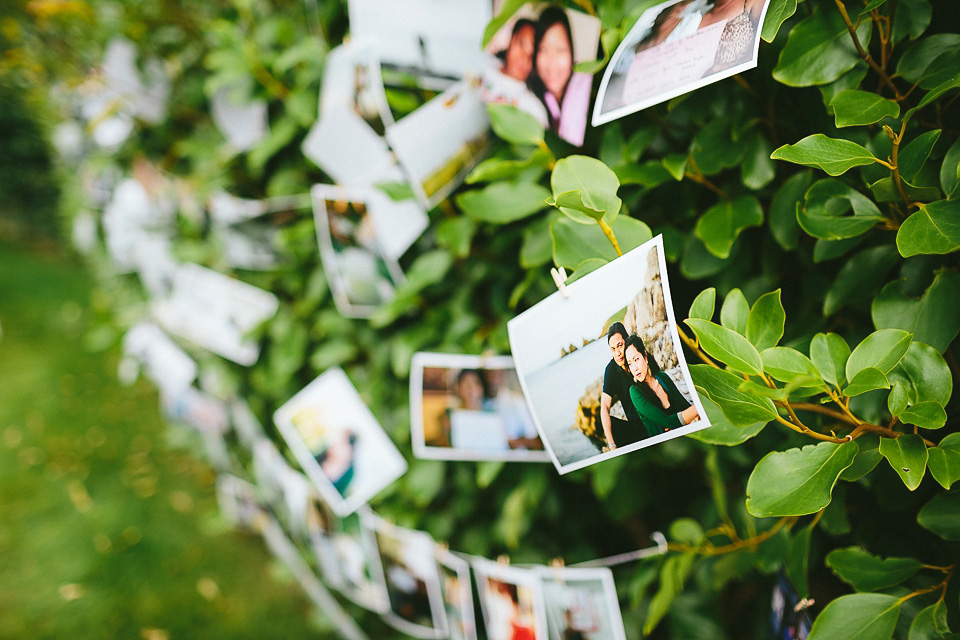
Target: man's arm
(605, 403)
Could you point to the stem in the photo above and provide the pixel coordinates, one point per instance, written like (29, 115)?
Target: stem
(863, 54)
(690, 342)
(607, 231)
(807, 431)
(709, 550)
(695, 174)
(894, 154)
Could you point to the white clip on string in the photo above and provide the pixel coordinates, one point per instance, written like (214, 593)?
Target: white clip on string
(559, 278)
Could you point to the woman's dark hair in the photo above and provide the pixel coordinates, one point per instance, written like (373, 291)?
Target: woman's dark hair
(483, 382)
(323, 455)
(637, 343)
(617, 328)
(549, 17)
(520, 24)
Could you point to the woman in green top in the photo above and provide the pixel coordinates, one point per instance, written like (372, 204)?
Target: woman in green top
(658, 401)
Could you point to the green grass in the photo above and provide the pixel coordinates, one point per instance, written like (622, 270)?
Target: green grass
(106, 531)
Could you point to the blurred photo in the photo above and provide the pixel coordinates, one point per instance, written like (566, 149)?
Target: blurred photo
(511, 599)
(347, 557)
(457, 589)
(581, 604)
(466, 407)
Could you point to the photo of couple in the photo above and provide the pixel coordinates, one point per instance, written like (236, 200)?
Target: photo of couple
(532, 67)
(609, 377)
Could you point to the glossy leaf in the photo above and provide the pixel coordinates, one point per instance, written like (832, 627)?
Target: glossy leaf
(797, 481)
(829, 352)
(866, 572)
(727, 346)
(944, 460)
(886, 190)
(783, 209)
(704, 304)
(735, 311)
(854, 107)
(917, 58)
(786, 364)
(924, 374)
(859, 616)
(819, 49)
(574, 200)
(493, 169)
(833, 155)
(741, 409)
(596, 183)
(950, 170)
(757, 170)
(537, 247)
(908, 457)
(935, 228)
(881, 350)
(926, 415)
(833, 211)
(766, 320)
(942, 515)
(778, 11)
(930, 623)
(721, 431)
(720, 225)
(860, 277)
(867, 379)
(504, 202)
(915, 153)
(867, 458)
(514, 125)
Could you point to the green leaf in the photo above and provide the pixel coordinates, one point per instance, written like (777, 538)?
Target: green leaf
(704, 304)
(594, 180)
(898, 399)
(766, 320)
(783, 209)
(833, 155)
(925, 375)
(749, 386)
(944, 460)
(868, 379)
(952, 82)
(515, 125)
(673, 574)
(866, 572)
(829, 352)
(573, 200)
(908, 457)
(819, 49)
(942, 515)
(885, 190)
(785, 364)
(930, 623)
(720, 225)
(537, 247)
(727, 346)
(867, 458)
(860, 277)
(503, 202)
(916, 59)
(913, 155)
(735, 311)
(573, 242)
(881, 350)
(797, 481)
(757, 170)
(950, 170)
(926, 415)
(676, 165)
(721, 431)
(585, 267)
(648, 174)
(493, 169)
(826, 207)
(935, 228)
(456, 234)
(859, 616)
(777, 13)
(741, 409)
(509, 8)
(912, 19)
(854, 107)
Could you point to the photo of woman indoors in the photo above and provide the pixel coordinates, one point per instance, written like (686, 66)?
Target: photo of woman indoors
(656, 398)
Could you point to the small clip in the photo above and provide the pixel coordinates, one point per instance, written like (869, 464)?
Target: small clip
(849, 437)
(803, 604)
(559, 278)
(557, 565)
(661, 541)
(503, 559)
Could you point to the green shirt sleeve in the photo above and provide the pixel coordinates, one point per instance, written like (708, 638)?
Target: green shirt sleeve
(653, 416)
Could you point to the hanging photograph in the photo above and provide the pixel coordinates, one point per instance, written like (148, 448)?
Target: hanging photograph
(241, 504)
(348, 150)
(468, 407)
(206, 415)
(409, 577)
(581, 603)
(216, 312)
(352, 80)
(531, 65)
(147, 347)
(347, 556)
(440, 142)
(457, 589)
(338, 442)
(676, 47)
(360, 274)
(602, 369)
(431, 42)
(511, 599)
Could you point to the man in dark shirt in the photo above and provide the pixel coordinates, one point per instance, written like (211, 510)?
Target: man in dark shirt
(616, 386)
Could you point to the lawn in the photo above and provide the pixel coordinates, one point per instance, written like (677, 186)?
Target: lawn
(106, 529)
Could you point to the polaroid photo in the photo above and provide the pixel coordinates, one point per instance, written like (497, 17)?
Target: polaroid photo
(440, 142)
(434, 41)
(245, 423)
(581, 603)
(338, 442)
(347, 556)
(205, 414)
(241, 118)
(349, 150)
(131, 218)
(250, 245)
(457, 588)
(147, 347)
(676, 47)
(352, 80)
(466, 407)
(410, 578)
(360, 274)
(240, 503)
(285, 490)
(531, 64)
(215, 311)
(511, 600)
(603, 369)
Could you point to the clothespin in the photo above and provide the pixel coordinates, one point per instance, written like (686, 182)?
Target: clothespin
(803, 604)
(503, 559)
(557, 564)
(559, 275)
